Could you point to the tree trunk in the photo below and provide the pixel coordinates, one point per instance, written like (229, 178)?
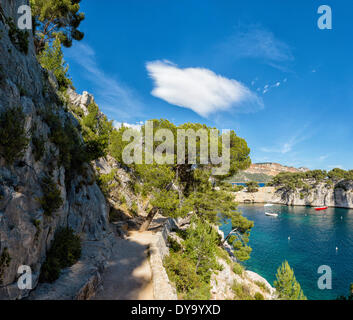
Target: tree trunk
(149, 219)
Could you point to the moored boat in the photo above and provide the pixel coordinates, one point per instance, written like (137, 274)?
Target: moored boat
(271, 214)
(321, 208)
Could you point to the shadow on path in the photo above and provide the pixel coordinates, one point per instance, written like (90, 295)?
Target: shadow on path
(128, 275)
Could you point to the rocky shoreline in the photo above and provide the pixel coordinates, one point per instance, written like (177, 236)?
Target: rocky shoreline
(338, 196)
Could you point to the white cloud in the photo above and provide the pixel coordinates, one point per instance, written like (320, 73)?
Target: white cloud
(136, 126)
(200, 90)
(111, 94)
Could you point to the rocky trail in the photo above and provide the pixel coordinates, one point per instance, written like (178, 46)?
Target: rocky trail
(128, 275)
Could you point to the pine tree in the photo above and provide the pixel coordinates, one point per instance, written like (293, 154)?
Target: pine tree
(52, 59)
(286, 285)
(56, 18)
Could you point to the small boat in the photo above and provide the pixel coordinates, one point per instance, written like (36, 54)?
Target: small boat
(321, 208)
(271, 214)
(268, 205)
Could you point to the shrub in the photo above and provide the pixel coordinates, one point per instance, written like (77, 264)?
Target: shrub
(241, 292)
(134, 209)
(286, 285)
(252, 187)
(262, 286)
(38, 147)
(259, 296)
(64, 252)
(52, 59)
(181, 271)
(51, 201)
(106, 182)
(238, 268)
(174, 245)
(13, 138)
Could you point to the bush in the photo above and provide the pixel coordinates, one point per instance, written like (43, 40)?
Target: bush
(181, 271)
(134, 209)
(13, 138)
(259, 296)
(52, 59)
(51, 201)
(252, 187)
(38, 147)
(174, 245)
(262, 286)
(241, 292)
(106, 182)
(64, 252)
(238, 268)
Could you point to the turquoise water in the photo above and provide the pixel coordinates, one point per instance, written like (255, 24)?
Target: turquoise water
(314, 237)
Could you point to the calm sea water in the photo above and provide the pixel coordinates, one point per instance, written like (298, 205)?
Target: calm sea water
(314, 237)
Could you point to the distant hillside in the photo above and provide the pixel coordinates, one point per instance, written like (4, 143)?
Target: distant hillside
(263, 172)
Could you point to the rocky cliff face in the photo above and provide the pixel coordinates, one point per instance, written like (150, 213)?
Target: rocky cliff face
(272, 169)
(23, 83)
(339, 195)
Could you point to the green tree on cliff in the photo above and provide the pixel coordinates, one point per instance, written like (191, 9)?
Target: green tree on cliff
(56, 18)
(52, 59)
(286, 285)
(178, 189)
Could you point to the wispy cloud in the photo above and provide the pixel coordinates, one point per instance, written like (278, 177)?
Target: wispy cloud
(258, 43)
(200, 90)
(290, 143)
(111, 94)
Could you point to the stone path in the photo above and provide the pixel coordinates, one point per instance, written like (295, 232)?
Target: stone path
(128, 275)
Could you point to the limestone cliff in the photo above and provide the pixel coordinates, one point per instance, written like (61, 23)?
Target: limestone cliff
(23, 83)
(272, 169)
(320, 194)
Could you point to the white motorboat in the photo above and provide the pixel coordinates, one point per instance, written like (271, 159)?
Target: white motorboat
(271, 214)
(268, 205)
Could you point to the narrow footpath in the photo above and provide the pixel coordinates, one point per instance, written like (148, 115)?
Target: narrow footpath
(128, 275)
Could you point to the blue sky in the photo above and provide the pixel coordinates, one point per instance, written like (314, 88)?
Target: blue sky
(262, 68)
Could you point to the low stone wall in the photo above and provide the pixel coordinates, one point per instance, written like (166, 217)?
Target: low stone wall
(162, 288)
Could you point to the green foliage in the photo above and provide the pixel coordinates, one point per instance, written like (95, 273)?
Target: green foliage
(56, 19)
(189, 284)
(262, 286)
(72, 150)
(259, 296)
(241, 292)
(96, 131)
(5, 260)
(13, 137)
(19, 38)
(252, 186)
(64, 252)
(107, 182)
(134, 209)
(52, 59)
(38, 147)
(174, 245)
(238, 269)
(201, 246)
(286, 285)
(51, 200)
